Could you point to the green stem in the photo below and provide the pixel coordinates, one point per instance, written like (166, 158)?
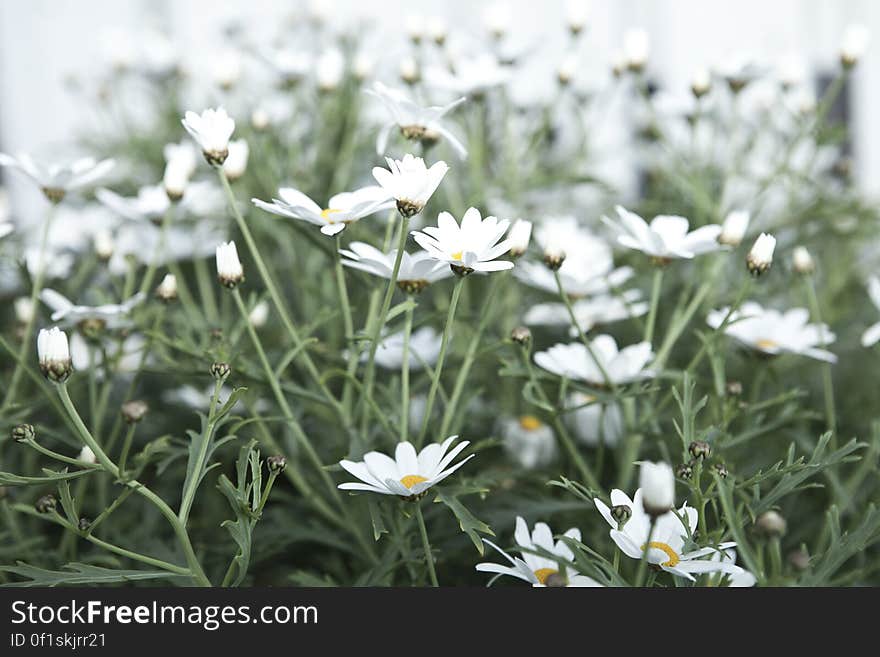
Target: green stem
(147, 282)
(190, 493)
(404, 375)
(426, 545)
(346, 318)
(643, 563)
(656, 286)
(438, 369)
(827, 379)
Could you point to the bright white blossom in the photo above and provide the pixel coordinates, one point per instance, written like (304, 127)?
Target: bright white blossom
(410, 182)
(236, 163)
(259, 314)
(471, 246)
(761, 255)
(415, 122)
(24, 309)
(167, 289)
(407, 475)
(180, 165)
(519, 237)
(772, 332)
(734, 228)
(667, 541)
(537, 569)
(87, 455)
(573, 361)
(802, 260)
(424, 349)
(150, 204)
(329, 70)
(528, 441)
(53, 353)
(657, 483)
(56, 180)
(104, 244)
(636, 48)
(592, 311)
(342, 209)
(212, 130)
(109, 315)
(665, 238)
(854, 44)
(577, 13)
(417, 270)
(229, 270)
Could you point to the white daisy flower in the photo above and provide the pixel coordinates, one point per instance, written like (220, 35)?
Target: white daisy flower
(590, 312)
(151, 203)
(594, 423)
(407, 475)
(528, 441)
(56, 180)
(622, 366)
(665, 238)
(588, 267)
(473, 76)
(212, 130)
(416, 272)
(537, 569)
(290, 65)
(110, 315)
(410, 182)
(666, 548)
(341, 210)
(424, 349)
(872, 334)
(734, 228)
(415, 122)
(773, 332)
(471, 246)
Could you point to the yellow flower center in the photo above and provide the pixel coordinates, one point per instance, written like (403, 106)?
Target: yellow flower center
(543, 573)
(325, 214)
(764, 343)
(457, 255)
(530, 422)
(411, 480)
(663, 547)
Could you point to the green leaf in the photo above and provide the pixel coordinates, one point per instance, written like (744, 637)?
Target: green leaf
(469, 523)
(78, 574)
(243, 506)
(376, 517)
(9, 479)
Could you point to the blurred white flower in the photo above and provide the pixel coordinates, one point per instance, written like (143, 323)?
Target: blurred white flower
(593, 422)
(577, 14)
(424, 348)
(854, 44)
(56, 180)
(636, 48)
(734, 228)
(110, 315)
(211, 130)
(592, 311)
(772, 332)
(329, 70)
(536, 569)
(410, 182)
(417, 270)
(150, 204)
(622, 366)
(342, 209)
(519, 237)
(226, 68)
(472, 246)
(497, 18)
(473, 76)
(528, 441)
(290, 65)
(236, 163)
(415, 122)
(760, 256)
(667, 236)
(409, 70)
(180, 165)
(24, 309)
(437, 29)
(53, 354)
(167, 289)
(872, 334)
(362, 65)
(802, 260)
(657, 483)
(229, 270)
(259, 314)
(408, 475)
(104, 244)
(701, 82)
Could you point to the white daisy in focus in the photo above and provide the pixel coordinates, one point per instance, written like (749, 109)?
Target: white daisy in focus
(590, 312)
(408, 475)
(773, 332)
(109, 315)
(528, 441)
(667, 541)
(872, 334)
(593, 422)
(342, 209)
(424, 349)
(416, 123)
(471, 246)
(56, 180)
(416, 272)
(665, 238)
(573, 361)
(538, 569)
(151, 203)
(211, 130)
(410, 182)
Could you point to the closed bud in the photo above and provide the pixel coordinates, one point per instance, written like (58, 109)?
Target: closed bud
(803, 261)
(700, 449)
(46, 504)
(771, 524)
(229, 270)
(701, 82)
(557, 580)
(236, 162)
(621, 513)
(220, 370)
(799, 559)
(734, 388)
(657, 482)
(519, 236)
(104, 245)
(84, 524)
(86, 455)
(721, 470)
(167, 289)
(734, 228)
(134, 411)
(761, 256)
(53, 353)
(521, 335)
(276, 464)
(554, 258)
(23, 432)
(684, 471)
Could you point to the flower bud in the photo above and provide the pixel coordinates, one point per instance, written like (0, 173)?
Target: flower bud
(259, 314)
(519, 236)
(554, 256)
(84, 524)
(684, 471)
(621, 513)
(566, 70)
(437, 30)
(86, 455)
(229, 270)
(260, 119)
(699, 449)
(23, 432)
(854, 45)
(236, 162)
(220, 370)
(734, 228)
(799, 559)
(734, 388)
(657, 483)
(104, 245)
(721, 470)
(556, 580)
(46, 504)
(167, 289)
(803, 261)
(24, 310)
(761, 256)
(54, 354)
(134, 411)
(276, 464)
(701, 82)
(636, 48)
(771, 524)
(521, 335)
(577, 13)
(409, 71)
